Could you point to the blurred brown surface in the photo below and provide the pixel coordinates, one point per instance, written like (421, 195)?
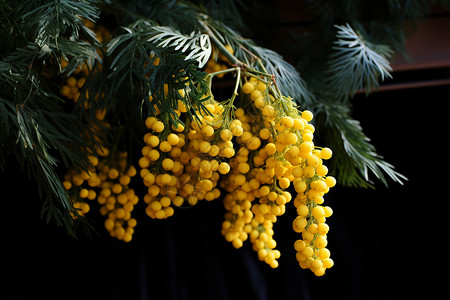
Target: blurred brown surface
(427, 46)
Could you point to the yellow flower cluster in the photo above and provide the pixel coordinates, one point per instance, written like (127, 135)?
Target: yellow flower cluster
(181, 165)
(257, 156)
(117, 200)
(107, 182)
(276, 151)
(81, 186)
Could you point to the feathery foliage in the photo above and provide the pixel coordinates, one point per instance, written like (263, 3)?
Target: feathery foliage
(355, 66)
(35, 127)
(198, 45)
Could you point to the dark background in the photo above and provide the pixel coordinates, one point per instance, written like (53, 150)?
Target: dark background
(379, 239)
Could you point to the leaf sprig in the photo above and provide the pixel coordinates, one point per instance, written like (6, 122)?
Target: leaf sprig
(357, 64)
(197, 45)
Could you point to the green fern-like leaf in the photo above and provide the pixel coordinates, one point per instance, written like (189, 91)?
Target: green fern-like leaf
(197, 45)
(357, 64)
